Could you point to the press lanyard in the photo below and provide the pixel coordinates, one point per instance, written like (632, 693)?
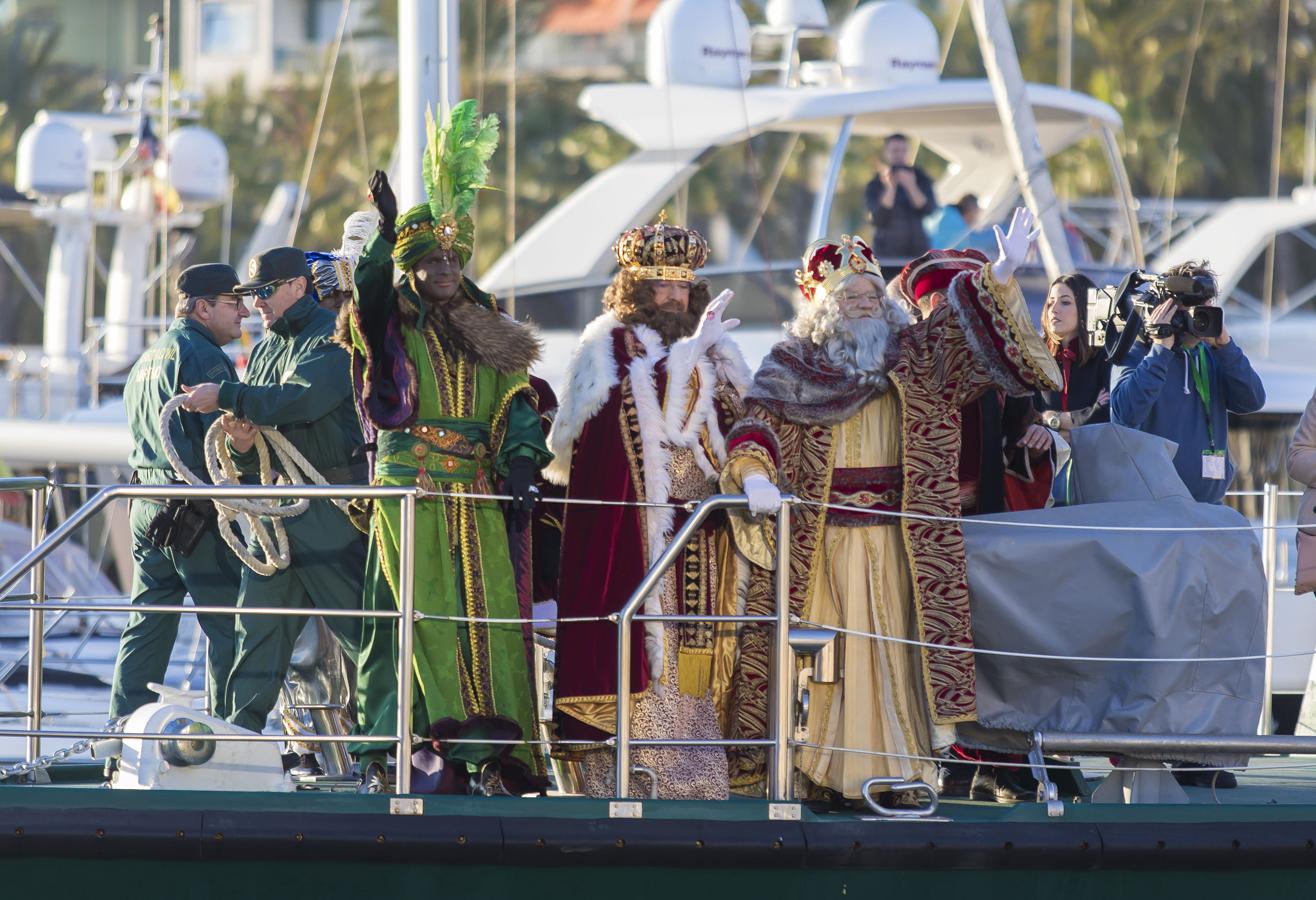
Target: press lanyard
(1201, 378)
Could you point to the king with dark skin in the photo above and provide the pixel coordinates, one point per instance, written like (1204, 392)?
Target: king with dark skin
(437, 278)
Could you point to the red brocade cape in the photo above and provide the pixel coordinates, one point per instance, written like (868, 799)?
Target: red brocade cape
(982, 337)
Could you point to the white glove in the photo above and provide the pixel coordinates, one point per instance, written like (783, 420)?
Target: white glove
(711, 327)
(1015, 244)
(762, 494)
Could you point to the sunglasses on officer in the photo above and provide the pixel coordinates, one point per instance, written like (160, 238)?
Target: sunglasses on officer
(234, 300)
(265, 292)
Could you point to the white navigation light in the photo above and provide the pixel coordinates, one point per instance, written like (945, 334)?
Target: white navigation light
(887, 44)
(796, 14)
(698, 42)
(52, 161)
(200, 165)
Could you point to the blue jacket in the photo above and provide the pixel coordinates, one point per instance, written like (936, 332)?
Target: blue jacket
(1154, 392)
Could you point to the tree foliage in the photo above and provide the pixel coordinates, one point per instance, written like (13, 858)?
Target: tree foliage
(1129, 53)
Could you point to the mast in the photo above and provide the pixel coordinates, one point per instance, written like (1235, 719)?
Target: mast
(428, 75)
(1011, 93)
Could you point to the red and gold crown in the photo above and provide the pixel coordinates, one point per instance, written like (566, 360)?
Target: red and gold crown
(661, 252)
(827, 263)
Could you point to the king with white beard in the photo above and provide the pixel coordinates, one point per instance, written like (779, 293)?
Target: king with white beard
(857, 414)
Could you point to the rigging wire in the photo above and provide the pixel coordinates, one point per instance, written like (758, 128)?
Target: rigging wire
(166, 123)
(510, 221)
(1276, 140)
(1170, 183)
(319, 123)
(363, 145)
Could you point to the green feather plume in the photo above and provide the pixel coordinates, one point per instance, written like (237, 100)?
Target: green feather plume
(456, 158)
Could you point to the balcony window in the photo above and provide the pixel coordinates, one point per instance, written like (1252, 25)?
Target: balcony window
(228, 27)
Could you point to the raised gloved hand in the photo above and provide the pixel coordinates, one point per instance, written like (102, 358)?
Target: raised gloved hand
(762, 494)
(1014, 244)
(711, 327)
(381, 195)
(521, 477)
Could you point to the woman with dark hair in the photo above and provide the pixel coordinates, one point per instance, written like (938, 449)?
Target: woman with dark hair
(1084, 396)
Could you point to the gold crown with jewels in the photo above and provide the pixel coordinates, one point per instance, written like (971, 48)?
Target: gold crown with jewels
(661, 252)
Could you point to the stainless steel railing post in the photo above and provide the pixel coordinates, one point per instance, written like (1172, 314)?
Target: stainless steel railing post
(406, 626)
(1269, 552)
(783, 668)
(36, 625)
(626, 617)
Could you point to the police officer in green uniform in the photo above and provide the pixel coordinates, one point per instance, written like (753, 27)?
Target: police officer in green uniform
(299, 381)
(177, 549)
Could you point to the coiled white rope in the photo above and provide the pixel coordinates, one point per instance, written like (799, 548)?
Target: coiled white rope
(272, 537)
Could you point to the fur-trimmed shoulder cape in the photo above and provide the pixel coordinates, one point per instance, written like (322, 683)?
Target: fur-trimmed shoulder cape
(677, 418)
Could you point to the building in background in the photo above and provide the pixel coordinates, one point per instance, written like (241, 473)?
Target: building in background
(270, 41)
(591, 39)
(103, 35)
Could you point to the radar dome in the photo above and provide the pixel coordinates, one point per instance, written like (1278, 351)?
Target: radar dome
(796, 14)
(52, 160)
(199, 165)
(699, 42)
(887, 44)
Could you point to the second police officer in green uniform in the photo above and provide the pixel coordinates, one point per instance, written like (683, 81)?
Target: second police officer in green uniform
(298, 381)
(177, 549)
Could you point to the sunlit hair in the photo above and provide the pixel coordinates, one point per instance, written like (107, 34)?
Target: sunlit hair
(856, 346)
(1079, 284)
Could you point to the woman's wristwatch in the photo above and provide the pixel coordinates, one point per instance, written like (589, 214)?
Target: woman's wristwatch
(1051, 420)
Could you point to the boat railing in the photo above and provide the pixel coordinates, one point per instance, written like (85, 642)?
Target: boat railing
(44, 544)
(777, 741)
(780, 681)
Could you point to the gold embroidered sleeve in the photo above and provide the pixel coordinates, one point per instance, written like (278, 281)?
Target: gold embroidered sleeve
(755, 538)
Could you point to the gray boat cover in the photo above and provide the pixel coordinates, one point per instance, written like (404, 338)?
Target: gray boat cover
(1075, 592)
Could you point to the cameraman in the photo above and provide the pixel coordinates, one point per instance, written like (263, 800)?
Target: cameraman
(1183, 389)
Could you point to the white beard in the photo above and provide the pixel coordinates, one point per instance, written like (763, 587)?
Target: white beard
(858, 347)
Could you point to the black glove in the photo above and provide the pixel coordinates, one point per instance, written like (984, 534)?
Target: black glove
(381, 195)
(521, 477)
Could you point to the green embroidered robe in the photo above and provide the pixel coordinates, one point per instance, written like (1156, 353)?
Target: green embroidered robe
(444, 421)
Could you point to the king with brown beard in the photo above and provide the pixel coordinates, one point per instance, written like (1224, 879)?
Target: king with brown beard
(649, 393)
(857, 414)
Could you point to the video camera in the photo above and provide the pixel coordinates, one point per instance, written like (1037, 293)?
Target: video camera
(1117, 315)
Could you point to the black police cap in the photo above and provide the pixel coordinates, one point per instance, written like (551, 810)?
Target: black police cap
(207, 280)
(279, 264)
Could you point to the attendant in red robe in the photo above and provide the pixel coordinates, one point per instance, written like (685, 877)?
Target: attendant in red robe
(1005, 451)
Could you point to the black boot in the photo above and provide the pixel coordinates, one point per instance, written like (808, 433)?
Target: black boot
(307, 767)
(374, 778)
(995, 784)
(954, 779)
(1200, 776)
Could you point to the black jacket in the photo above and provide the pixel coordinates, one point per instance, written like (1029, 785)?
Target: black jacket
(1086, 380)
(899, 230)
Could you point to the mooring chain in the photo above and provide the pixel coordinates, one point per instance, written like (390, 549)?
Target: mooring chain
(27, 767)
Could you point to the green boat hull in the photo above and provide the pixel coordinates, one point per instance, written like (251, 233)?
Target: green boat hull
(66, 841)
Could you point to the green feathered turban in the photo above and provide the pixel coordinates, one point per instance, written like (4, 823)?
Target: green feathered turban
(455, 170)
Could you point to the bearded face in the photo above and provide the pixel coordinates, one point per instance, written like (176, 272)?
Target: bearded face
(853, 324)
(672, 311)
